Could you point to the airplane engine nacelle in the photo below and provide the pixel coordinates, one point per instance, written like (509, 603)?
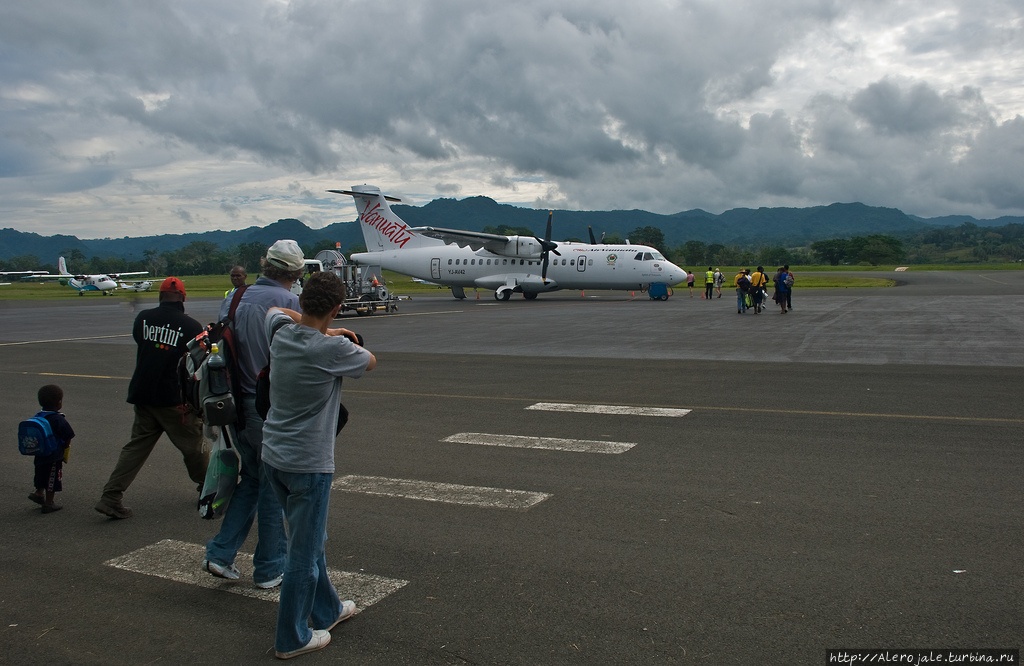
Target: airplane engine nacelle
(521, 247)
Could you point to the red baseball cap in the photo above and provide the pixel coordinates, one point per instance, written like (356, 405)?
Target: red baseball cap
(173, 284)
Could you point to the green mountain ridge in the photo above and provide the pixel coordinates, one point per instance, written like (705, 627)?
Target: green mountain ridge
(790, 227)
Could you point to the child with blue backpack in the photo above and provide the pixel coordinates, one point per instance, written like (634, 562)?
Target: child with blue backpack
(49, 465)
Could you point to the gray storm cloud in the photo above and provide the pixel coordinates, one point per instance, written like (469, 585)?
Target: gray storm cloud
(658, 105)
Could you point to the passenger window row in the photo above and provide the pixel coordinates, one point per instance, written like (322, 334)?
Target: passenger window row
(504, 262)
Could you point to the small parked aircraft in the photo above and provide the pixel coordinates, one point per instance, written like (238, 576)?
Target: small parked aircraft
(105, 283)
(506, 264)
(137, 285)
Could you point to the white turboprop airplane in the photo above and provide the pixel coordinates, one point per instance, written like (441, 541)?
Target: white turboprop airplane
(506, 264)
(105, 283)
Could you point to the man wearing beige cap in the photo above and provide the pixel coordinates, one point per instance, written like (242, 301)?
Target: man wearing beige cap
(161, 334)
(253, 498)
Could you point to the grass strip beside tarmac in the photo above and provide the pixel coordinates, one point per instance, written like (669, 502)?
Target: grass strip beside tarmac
(207, 286)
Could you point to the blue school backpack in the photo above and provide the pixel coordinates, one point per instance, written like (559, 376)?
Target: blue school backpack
(35, 436)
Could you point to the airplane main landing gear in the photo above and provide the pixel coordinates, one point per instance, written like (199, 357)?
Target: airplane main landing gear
(502, 294)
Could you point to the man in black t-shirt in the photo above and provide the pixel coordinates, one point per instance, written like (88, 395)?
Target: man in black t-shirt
(161, 334)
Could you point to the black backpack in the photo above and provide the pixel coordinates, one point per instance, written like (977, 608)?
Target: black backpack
(209, 379)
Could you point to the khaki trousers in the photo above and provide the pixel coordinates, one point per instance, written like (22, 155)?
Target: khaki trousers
(151, 422)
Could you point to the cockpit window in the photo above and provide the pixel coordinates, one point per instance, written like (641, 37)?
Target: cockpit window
(639, 256)
(659, 256)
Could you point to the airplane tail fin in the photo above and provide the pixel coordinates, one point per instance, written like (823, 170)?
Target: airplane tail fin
(382, 228)
(62, 266)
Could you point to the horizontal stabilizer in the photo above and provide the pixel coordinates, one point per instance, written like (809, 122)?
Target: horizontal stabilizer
(364, 194)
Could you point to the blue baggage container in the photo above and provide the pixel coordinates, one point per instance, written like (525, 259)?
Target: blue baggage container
(658, 290)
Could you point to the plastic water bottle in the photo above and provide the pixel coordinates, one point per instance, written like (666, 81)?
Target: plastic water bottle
(218, 377)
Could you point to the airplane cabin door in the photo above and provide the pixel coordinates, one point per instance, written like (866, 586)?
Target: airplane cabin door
(435, 269)
(581, 264)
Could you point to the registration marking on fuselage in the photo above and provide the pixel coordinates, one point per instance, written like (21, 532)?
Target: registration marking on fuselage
(549, 443)
(181, 562)
(618, 410)
(447, 493)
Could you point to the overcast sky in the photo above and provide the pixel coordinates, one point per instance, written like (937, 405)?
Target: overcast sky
(131, 118)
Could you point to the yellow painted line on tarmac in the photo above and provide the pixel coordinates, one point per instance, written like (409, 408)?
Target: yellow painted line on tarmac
(695, 408)
(39, 342)
(698, 408)
(985, 277)
(60, 374)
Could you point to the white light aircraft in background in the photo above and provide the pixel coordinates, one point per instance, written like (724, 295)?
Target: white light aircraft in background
(138, 285)
(507, 264)
(103, 282)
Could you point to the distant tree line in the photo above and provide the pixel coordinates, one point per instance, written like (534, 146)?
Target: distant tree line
(874, 250)
(967, 243)
(196, 258)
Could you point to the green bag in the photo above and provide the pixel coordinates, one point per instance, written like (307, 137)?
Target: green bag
(221, 477)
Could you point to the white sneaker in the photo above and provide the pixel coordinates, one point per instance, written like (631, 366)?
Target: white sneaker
(320, 639)
(348, 609)
(221, 571)
(272, 583)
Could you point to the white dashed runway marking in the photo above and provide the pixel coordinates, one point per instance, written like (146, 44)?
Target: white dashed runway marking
(181, 562)
(617, 410)
(550, 443)
(448, 493)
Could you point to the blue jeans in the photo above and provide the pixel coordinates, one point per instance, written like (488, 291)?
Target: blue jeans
(252, 498)
(307, 595)
(741, 304)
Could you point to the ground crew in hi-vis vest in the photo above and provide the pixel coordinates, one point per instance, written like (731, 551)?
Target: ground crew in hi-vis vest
(709, 282)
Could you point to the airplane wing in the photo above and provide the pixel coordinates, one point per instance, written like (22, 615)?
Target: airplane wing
(474, 239)
(27, 274)
(116, 276)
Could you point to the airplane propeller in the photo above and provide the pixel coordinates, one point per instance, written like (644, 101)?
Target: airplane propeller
(593, 241)
(547, 246)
